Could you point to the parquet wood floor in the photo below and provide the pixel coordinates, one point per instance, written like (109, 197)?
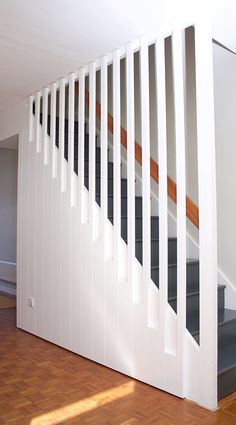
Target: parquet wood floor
(41, 383)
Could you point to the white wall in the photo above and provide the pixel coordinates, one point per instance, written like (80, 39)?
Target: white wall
(225, 118)
(8, 204)
(12, 121)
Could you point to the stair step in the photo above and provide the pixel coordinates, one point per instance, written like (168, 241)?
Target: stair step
(109, 187)
(98, 168)
(138, 227)
(227, 357)
(86, 153)
(172, 251)
(192, 277)
(226, 369)
(124, 205)
(227, 380)
(226, 327)
(193, 301)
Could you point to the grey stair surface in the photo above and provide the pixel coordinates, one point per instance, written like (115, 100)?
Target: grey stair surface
(226, 352)
(226, 318)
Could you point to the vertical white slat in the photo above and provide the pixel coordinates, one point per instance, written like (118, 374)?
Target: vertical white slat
(163, 205)
(37, 122)
(45, 127)
(71, 177)
(30, 118)
(131, 166)
(145, 137)
(92, 143)
(81, 143)
(207, 214)
(62, 135)
(179, 108)
(53, 131)
(116, 163)
(104, 156)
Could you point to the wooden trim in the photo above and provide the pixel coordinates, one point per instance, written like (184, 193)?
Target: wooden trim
(191, 208)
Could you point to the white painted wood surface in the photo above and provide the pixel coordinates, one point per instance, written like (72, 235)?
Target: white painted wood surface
(131, 167)
(104, 153)
(30, 117)
(62, 135)
(81, 144)
(45, 126)
(71, 124)
(163, 211)
(179, 108)
(116, 159)
(207, 214)
(53, 149)
(92, 144)
(37, 122)
(145, 136)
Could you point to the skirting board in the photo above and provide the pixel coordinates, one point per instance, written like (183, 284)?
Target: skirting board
(8, 271)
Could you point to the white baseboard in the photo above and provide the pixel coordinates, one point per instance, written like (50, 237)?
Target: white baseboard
(8, 271)
(7, 288)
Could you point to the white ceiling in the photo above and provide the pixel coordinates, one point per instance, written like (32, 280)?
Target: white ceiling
(41, 40)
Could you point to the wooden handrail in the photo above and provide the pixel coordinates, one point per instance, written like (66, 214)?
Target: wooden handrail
(191, 208)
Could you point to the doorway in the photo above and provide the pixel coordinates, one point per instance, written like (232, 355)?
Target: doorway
(8, 220)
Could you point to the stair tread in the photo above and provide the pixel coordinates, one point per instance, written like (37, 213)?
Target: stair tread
(157, 239)
(108, 177)
(192, 293)
(124, 216)
(140, 216)
(122, 196)
(227, 357)
(188, 261)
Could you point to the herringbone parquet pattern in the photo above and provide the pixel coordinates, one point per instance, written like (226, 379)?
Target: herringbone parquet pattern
(41, 383)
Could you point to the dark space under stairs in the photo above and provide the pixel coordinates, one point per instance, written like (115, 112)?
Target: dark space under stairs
(226, 317)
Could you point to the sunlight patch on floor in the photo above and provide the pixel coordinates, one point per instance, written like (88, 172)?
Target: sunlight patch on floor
(84, 406)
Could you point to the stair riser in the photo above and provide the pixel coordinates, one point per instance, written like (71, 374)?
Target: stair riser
(138, 227)
(172, 252)
(124, 207)
(123, 187)
(226, 333)
(226, 383)
(86, 153)
(110, 205)
(98, 169)
(109, 187)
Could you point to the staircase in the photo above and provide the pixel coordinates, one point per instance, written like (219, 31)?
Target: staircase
(109, 282)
